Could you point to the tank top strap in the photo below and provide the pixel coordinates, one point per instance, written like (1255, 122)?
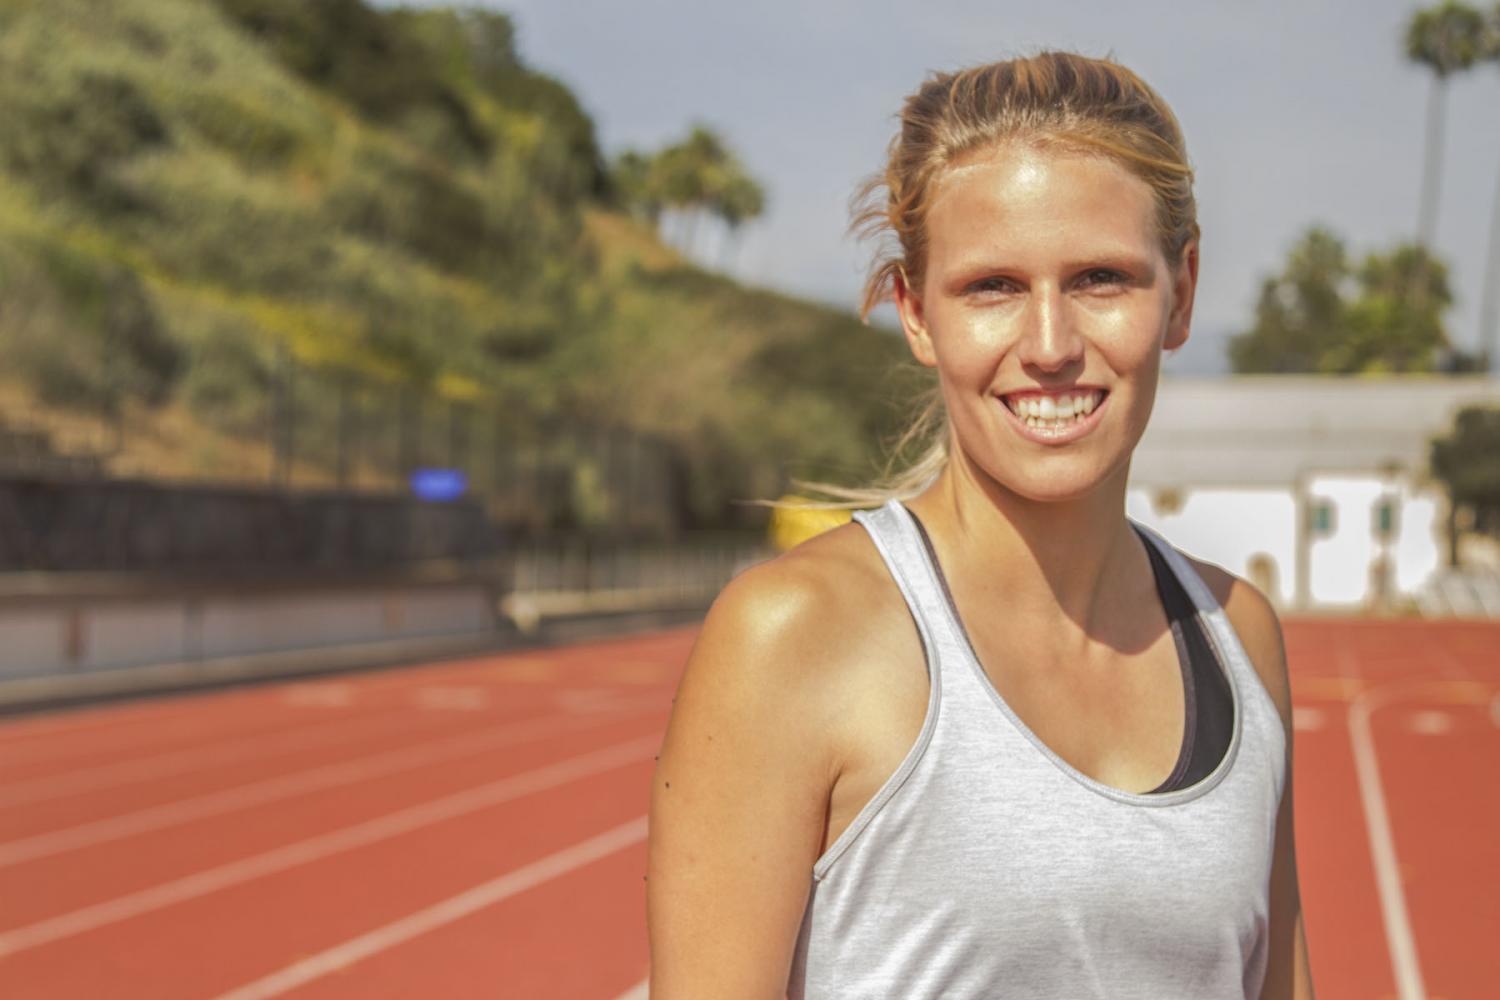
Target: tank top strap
(1209, 610)
(1252, 703)
(896, 539)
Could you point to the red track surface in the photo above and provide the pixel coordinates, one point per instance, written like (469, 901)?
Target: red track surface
(475, 828)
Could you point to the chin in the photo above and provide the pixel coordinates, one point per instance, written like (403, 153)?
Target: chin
(1063, 482)
(1052, 492)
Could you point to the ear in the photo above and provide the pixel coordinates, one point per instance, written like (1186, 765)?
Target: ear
(913, 321)
(1184, 284)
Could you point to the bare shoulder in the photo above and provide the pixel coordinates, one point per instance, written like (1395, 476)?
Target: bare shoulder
(798, 615)
(784, 637)
(1254, 620)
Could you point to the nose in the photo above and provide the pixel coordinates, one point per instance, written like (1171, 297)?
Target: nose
(1050, 340)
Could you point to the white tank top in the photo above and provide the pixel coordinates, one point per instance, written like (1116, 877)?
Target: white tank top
(987, 866)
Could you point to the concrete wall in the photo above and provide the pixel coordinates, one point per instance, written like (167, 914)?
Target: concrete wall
(1253, 533)
(1232, 528)
(82, 633)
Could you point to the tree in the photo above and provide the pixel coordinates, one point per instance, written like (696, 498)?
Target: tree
(696, 177)
(1323, 314)
(1447, 39)
(634, 186)
(1300, 312)
(738, 199)
(1396, 323)
(685, 175)
(1467, 461)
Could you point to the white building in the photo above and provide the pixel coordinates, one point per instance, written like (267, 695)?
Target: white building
(1316, 489)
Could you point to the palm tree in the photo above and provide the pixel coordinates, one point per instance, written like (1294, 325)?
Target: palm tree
(696, 178)
(1489, 305)
(738, 198)
(1447, 39)
(683, 174)
(633, 184)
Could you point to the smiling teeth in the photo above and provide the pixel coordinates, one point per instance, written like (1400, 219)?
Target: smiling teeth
(1055, 412)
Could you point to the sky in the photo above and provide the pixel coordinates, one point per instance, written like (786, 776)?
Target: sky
(1295, 111)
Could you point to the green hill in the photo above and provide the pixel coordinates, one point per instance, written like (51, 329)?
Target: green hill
(194, 191)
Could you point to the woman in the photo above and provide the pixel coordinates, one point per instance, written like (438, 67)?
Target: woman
(993, 739)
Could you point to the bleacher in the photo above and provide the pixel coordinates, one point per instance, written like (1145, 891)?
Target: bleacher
(1471, 593)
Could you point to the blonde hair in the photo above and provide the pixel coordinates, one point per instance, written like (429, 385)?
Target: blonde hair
(1052, 100)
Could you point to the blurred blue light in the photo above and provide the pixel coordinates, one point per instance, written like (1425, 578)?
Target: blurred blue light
(438, 484)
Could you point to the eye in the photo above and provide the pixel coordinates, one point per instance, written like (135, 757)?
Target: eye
(1101, 277)
(990, 284)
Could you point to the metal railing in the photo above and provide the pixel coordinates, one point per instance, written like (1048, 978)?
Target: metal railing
(309, 429)
(567, 577)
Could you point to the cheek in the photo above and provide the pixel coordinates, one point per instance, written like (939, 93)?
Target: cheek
(968, 349)
(1130, 339)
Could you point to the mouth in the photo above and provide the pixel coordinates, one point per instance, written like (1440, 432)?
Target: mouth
(1055, 417)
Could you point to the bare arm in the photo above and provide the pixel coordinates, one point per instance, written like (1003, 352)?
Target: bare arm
(739, 798)
(1288, 974)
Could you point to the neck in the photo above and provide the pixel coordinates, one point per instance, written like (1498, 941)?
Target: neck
(1051, 562)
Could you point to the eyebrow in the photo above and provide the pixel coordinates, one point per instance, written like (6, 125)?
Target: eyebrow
(1107, 258)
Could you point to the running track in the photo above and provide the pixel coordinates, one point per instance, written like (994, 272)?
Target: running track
(476, 828)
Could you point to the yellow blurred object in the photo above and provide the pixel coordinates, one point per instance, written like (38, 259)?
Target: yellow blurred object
(791, 526)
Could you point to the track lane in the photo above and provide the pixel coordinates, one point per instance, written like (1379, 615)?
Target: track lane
(498, 938)
(322, 743)
(1442, 747)
(233, 936)
(1345, 936)
(51, 887)
(1341, 910)
(136, 729)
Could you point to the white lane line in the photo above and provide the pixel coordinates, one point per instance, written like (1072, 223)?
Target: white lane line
(172, 762)
(640, 991)
(139, 734)
(1306, 719)
(18, 731)
(249, 747)
(318, 695)
(324, 845)
(281, 787)
(1398, 933)
(357, 949)
(1430, 722)
(46, 734)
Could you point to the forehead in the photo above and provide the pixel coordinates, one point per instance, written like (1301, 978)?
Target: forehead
(1017, 199)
